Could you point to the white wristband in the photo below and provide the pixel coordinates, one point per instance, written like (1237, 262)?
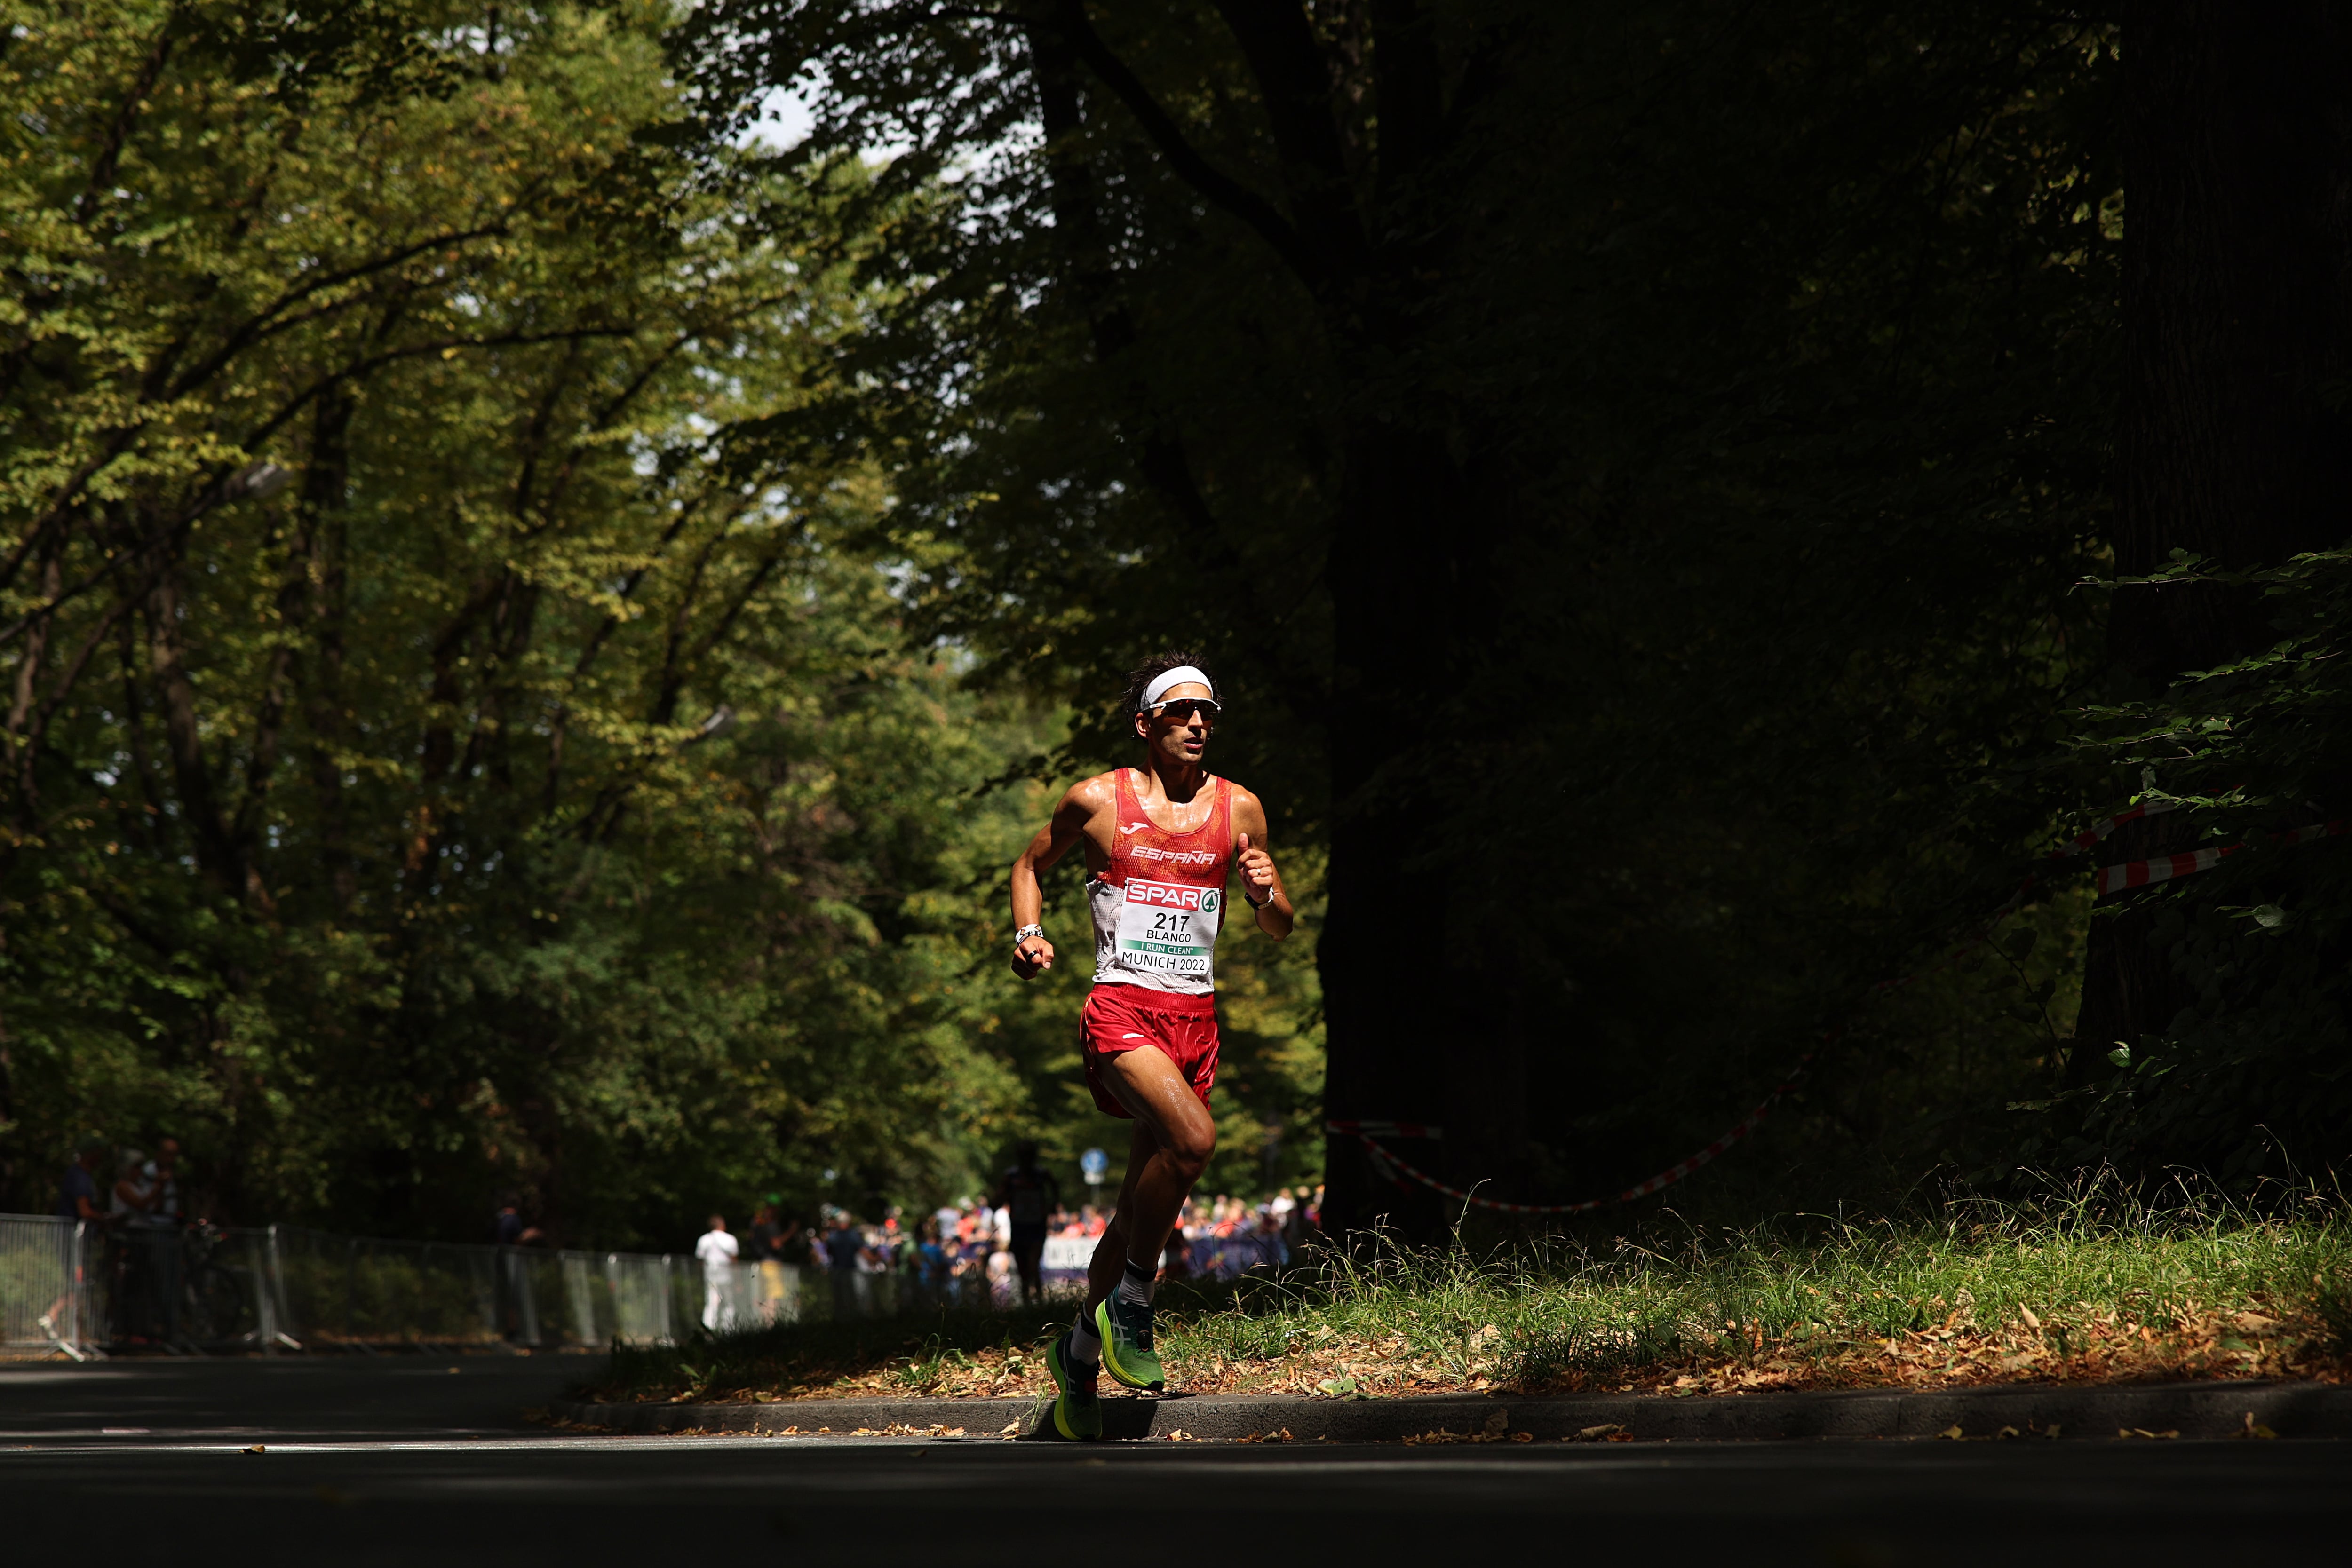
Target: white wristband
(1026, 933)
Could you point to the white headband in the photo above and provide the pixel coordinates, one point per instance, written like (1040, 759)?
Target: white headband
(1160, 685)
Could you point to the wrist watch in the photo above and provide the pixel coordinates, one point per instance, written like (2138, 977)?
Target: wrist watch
(1026, 933)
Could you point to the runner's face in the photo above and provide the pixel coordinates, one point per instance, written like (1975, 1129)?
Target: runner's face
(1174, 741)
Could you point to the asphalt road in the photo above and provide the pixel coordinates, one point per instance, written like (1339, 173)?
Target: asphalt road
(403, 1460)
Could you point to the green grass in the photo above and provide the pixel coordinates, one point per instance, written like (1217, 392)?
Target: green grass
(2090, 1287)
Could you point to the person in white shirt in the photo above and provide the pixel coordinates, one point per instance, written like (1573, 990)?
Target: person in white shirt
(717, 1249)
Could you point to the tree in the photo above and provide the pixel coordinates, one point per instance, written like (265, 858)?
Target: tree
(1674, 426)
(435, 764)
(2235, 446)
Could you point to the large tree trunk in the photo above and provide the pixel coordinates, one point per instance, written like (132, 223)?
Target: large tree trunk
(1413, 1009)
(1416, 1016)
(2238, 341)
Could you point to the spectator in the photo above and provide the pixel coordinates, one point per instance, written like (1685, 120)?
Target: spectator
(507, 1227)
(1273, 1252)
(164, 1171)
(1176, 1263)
(763, 1238)
(717, 1250)
(1003, 1279)
(1226, 1236)
(874, 1272)
(968, 1269)
(78, 1201)
(507, 1230)
(78, 1189)
(1026, 1194)
(146, 1204)
(1290, 1208)
(844, 1248)
(908, 1260)
(134, 1189)
(770, 1243)
(939, 1269)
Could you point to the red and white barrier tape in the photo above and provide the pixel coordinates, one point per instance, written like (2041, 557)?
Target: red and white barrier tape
(2130, 874)
(2171, 868)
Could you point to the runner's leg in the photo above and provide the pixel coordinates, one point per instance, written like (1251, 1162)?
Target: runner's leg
(1110, 1252)
(1173, 1139)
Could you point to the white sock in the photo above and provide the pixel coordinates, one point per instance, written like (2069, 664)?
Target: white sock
(1136, 1283)
(1085, 1345)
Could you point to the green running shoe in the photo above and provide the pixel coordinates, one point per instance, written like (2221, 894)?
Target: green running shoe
(1077, 1414)
(1125, 1330)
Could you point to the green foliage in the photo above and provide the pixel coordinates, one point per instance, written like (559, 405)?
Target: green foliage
(437, 766)
(2252, 1073)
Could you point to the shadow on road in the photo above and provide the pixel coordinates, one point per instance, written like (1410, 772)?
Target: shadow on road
(403, 1460)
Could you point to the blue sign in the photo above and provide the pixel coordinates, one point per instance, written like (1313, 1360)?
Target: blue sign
(1094, 1162)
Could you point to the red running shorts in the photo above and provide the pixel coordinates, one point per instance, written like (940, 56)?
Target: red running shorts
(1121, 1017)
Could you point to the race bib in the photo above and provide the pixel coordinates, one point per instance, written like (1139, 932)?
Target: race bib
(1169, 927)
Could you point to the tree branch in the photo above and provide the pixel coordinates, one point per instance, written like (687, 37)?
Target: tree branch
(259, 323)
(1294, 82)
(68, 678)
(251, 479)
(1069, 19)
(120, 438)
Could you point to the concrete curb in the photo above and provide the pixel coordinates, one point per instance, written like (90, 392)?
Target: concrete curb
(2181, 1409)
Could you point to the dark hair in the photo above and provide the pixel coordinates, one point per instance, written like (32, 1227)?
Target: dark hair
(1159, 665)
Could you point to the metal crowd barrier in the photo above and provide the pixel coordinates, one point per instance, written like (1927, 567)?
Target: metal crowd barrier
(76, 1289)
(47, 1302)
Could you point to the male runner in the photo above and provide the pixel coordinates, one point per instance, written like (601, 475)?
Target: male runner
(1160, 841)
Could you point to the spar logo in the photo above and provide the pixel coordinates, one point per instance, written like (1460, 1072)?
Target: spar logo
(1171, 896)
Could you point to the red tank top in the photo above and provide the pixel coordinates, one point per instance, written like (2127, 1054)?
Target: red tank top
(1158, 905)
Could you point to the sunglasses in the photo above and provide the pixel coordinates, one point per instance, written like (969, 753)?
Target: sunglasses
(1183, 708)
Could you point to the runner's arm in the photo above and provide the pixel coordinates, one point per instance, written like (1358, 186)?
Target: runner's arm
(1259, 877)
(1066, 827)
